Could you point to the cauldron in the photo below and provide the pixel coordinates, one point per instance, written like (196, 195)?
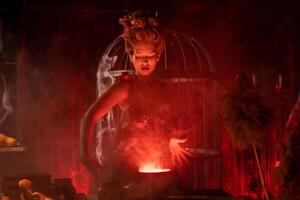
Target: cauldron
(151, 185)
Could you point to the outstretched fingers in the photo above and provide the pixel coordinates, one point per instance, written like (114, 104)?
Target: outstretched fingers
(181, 141)
(183, 158)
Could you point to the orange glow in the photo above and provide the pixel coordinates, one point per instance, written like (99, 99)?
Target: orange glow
(152, 168)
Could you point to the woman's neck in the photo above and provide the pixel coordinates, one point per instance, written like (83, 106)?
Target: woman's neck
(148, 78)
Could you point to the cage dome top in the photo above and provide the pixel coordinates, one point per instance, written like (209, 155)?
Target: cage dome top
(183, 57)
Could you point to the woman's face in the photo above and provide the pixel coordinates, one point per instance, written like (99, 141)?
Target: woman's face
(144, 58)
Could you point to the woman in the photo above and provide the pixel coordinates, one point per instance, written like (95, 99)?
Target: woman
(146, 131)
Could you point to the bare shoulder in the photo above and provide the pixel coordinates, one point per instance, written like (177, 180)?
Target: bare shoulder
(119, 90)
(116, 94)
(121, 87)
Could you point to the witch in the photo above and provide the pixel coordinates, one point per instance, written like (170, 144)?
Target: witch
(147, 132)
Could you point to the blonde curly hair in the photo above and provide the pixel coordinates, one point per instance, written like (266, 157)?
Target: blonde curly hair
(140, 27)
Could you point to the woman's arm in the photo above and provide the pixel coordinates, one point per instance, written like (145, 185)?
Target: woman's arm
(115, 95)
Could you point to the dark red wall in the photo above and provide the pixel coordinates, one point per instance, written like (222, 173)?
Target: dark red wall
(59, 52)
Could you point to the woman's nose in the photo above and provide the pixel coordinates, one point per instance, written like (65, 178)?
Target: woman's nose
(145, 60)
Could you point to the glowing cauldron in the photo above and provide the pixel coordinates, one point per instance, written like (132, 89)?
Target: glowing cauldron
(153, 183)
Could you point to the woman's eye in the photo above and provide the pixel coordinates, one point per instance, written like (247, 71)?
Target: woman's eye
(139, 58)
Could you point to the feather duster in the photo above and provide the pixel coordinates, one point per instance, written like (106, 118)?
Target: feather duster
(246, 118)
(245, 115)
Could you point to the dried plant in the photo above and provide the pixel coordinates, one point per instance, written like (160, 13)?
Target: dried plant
(246, 117)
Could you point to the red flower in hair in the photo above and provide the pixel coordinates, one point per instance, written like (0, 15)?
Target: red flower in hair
(134, 21)
(124, 20)
(138, 22)
(153, 22)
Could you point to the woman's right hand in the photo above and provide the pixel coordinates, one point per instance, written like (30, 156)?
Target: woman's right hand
(178, 153)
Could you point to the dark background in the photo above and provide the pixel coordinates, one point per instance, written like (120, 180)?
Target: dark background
(57, 46)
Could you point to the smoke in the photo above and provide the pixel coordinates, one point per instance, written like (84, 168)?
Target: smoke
(147, 149)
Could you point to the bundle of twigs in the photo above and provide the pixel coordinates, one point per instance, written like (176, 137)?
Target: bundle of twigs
(246, 117)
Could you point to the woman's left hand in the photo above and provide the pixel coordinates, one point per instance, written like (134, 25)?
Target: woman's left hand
(179, 154)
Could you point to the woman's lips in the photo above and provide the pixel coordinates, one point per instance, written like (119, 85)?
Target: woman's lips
(145, 68)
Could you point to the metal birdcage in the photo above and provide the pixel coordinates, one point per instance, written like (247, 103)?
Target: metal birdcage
(188, 70)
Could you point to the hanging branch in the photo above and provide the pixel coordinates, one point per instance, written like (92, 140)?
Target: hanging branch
(246, 118)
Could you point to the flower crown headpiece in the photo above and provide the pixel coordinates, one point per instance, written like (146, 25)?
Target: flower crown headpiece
(136, 20)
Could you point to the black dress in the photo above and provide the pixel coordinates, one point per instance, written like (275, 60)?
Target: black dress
(145, 130)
